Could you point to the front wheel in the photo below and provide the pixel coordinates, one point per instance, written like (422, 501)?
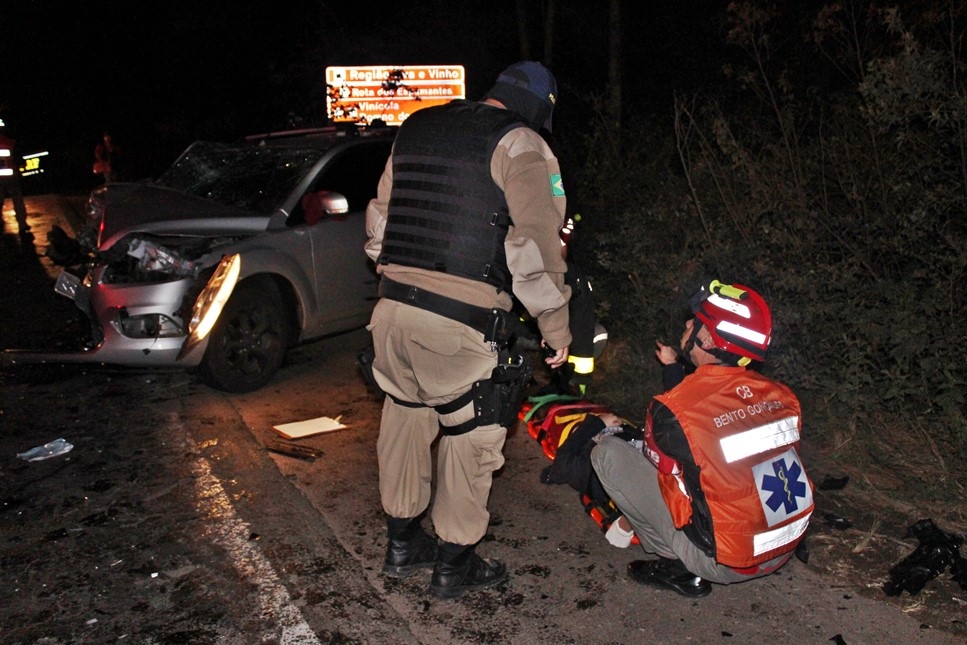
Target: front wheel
(249, 341)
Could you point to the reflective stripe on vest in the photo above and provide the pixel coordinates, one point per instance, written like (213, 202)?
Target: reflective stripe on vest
(6, 162)
(760, 439)
(772, 540)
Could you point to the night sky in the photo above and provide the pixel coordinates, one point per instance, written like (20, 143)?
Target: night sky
(159, 75)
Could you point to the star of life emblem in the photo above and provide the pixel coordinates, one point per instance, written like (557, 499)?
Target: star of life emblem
(783, 488)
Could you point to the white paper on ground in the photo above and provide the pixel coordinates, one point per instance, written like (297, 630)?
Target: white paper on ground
(299, 429)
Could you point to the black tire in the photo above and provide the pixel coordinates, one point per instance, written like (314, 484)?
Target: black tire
(249, 341)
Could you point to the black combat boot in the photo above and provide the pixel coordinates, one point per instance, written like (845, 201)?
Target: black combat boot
(409, 547)
(670, 574)
(459, 569)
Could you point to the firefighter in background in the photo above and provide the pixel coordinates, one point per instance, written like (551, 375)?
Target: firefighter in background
(588, 337)
(107, 159)
(10, 181)
(725, 497)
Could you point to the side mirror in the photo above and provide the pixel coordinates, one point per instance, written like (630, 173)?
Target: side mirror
(324, 203)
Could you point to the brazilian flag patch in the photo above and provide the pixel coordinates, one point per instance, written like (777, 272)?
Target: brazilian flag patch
(557, 186)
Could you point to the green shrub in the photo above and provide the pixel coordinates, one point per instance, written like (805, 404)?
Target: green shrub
(844, 204)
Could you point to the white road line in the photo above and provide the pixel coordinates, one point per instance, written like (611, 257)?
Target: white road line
(230, 532)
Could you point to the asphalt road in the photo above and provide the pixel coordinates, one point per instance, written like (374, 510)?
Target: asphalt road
(172, 521)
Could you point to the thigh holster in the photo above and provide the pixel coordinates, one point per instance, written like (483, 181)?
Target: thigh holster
(495, 400)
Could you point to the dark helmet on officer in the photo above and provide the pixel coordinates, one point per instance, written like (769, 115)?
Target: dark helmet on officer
(529, 89)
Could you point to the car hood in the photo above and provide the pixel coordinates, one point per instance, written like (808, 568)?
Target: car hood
(148, 208)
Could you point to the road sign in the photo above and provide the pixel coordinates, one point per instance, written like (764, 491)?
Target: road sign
(390, 93)
(32, 164)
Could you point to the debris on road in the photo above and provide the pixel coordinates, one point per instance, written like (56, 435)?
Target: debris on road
(294, 450)
(46, 451)
(836, 522)
(937, 550)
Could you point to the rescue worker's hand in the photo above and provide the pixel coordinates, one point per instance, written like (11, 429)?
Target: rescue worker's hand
(558, 358)
(666, 353)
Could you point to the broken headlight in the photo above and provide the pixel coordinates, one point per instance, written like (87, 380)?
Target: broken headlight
(210, 302)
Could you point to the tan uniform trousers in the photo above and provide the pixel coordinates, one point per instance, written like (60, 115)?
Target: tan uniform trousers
(425, 358)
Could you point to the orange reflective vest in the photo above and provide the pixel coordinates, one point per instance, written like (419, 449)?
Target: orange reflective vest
(743, 432)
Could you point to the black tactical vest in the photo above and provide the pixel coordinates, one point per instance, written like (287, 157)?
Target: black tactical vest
(445, 211)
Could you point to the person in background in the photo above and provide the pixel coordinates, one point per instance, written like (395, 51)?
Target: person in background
(107, 159)
(10, 181)
(588, 335)
(466, 217)
(719, 492)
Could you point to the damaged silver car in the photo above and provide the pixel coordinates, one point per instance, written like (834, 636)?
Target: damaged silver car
(237, 252)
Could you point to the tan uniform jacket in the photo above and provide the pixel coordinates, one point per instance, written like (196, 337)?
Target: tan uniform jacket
(522, 167)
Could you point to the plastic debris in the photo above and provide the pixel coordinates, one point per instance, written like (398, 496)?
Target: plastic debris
(46, 451)
(154, 257)
(937, 550)
(834, 521)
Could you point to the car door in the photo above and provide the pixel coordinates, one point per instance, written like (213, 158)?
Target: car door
(345, 278)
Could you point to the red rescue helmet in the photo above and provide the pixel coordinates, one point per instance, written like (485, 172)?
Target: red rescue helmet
(738, 319)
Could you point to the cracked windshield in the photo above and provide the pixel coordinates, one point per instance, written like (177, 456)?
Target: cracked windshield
(256, 179)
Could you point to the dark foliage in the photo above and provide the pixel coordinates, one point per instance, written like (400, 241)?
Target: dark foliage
(830, 173)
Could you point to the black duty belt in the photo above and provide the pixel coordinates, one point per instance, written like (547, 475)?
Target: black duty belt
(479, 318)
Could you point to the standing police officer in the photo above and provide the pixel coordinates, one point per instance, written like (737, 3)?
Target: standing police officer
(467, 215)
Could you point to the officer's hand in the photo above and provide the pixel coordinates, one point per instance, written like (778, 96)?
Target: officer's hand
(558, 358)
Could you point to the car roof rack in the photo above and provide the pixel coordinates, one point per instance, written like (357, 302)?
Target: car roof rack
(329, 131)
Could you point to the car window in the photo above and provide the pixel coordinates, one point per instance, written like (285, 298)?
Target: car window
(355, 173)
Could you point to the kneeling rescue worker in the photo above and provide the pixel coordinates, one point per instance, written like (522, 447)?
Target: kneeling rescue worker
(719, 492)
(466, 216)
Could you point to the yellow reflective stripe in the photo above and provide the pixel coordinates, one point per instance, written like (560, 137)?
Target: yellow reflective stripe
(760, 439)
(581, 365)
(566, 432)
(776, 538)
(567, 418)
